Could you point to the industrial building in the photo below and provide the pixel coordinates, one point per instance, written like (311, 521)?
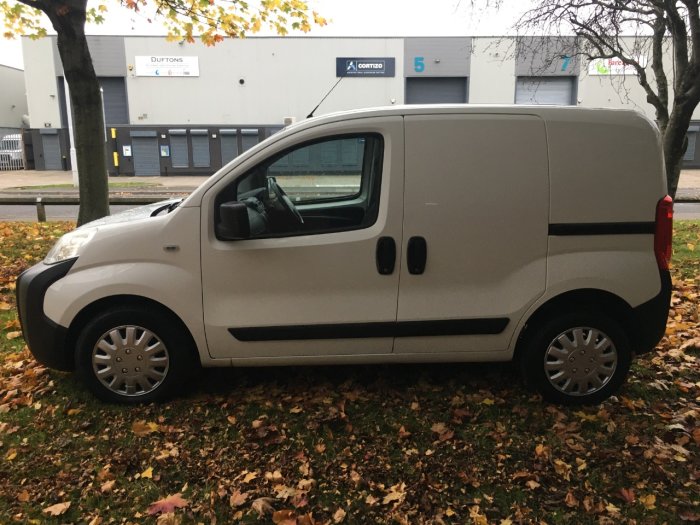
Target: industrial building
(175, 108)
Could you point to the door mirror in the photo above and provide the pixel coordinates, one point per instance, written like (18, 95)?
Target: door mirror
(234, 223)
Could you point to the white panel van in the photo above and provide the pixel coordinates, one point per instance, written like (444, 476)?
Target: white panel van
(403, 234)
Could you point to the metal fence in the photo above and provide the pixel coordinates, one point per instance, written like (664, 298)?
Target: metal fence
(11, 152)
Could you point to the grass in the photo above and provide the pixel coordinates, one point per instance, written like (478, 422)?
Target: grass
(352, 444)
(686, 247)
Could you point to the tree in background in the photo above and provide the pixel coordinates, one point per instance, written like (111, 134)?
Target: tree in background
(211, 20)
(666, 32)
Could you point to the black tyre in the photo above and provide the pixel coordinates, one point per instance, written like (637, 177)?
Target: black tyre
(134, 354)
(576, 358)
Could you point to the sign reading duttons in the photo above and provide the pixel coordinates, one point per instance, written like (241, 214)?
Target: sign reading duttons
(166, 66)
(365, 67)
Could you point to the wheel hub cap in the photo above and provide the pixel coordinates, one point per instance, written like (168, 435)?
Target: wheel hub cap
(580, 361)
(130, 360)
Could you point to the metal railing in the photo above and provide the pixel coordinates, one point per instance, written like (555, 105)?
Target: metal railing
(11, 153)
(42, 202)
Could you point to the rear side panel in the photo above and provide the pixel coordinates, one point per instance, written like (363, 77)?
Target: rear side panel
(607, 176)
(605, 167)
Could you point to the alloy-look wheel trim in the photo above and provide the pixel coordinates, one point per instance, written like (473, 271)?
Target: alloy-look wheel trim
(130, 360)
(580, 361)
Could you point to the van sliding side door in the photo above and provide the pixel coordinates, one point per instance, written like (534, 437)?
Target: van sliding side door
(476, 209)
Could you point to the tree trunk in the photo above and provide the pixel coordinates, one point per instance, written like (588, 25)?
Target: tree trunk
(675, 142)
(86, 102)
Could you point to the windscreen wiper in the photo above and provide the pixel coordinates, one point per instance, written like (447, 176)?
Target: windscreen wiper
(169, 207)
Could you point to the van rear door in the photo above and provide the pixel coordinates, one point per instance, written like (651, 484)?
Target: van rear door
(476, 208)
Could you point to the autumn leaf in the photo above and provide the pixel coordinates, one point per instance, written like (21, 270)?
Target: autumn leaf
(284, 517)
(237, 498)
(57, 509)
(23, 496)
(14, 335)
(167, 504)
(395, 494)
(141, 428)
(338, 516)
(107, 486)
(649, 501)
(477, 517)
(563, 469)
(262, 506)
(148, 473)
(570, 500)
(627, 495)
(249, 476)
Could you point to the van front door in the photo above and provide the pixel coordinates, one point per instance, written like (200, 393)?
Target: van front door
(475, 231)
(317, 276)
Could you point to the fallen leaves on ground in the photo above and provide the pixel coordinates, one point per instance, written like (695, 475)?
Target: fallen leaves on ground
(375, 444)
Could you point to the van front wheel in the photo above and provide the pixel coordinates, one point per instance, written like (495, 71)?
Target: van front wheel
(576, 359)
(133, 355)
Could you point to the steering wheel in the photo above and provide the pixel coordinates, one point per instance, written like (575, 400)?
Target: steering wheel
(281, 201)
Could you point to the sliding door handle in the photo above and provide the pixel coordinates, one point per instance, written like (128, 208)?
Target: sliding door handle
(386, 255)
(417, 255)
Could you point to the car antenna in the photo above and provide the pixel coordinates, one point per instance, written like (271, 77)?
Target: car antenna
(324, 98)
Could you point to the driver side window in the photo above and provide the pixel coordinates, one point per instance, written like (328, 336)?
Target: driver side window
(322, 186)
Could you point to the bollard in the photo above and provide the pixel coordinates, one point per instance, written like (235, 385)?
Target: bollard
(40, 210)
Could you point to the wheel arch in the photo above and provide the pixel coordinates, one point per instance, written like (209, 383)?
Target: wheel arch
(91, 310)
(587, 299)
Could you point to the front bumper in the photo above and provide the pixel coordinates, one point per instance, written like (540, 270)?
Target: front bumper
(650, 317)
(45, 339)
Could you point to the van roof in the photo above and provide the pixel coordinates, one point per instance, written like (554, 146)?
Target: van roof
(546, 112)
(424, 109)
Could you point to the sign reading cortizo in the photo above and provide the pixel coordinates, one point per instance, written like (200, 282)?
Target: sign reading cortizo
(364, 67)
(163, 66)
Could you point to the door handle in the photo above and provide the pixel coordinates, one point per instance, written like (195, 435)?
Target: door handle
(417, 254)
(386, 255)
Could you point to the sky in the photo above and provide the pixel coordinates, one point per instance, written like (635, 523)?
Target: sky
(347, 18)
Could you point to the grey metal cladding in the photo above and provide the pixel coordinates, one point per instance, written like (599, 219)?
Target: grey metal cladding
(108, 55)
(441, 57)
(546, 56)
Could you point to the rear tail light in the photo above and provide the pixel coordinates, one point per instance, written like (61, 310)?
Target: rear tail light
(663, 232)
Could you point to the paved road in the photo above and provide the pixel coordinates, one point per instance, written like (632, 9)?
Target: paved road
(53, 213)
(28, 213)
(686, 210)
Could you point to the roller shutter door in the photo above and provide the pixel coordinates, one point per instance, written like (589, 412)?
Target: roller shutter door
(200, 148)
(557, 91)
(179, 154)
(692, 140)
(249, 138)
(229, 145)
(436, 90)
(52, 152)
(114, 95)
(145, 153)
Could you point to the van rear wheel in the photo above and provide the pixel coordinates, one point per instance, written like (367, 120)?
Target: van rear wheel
(577, 358)
(133, 355)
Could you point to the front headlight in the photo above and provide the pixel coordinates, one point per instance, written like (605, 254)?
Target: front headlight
(69, 246)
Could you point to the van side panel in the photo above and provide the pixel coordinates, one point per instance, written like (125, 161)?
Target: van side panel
(607, 176)
(477, 191)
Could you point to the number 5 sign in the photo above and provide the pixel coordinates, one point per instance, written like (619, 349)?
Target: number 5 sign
(419, 64)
